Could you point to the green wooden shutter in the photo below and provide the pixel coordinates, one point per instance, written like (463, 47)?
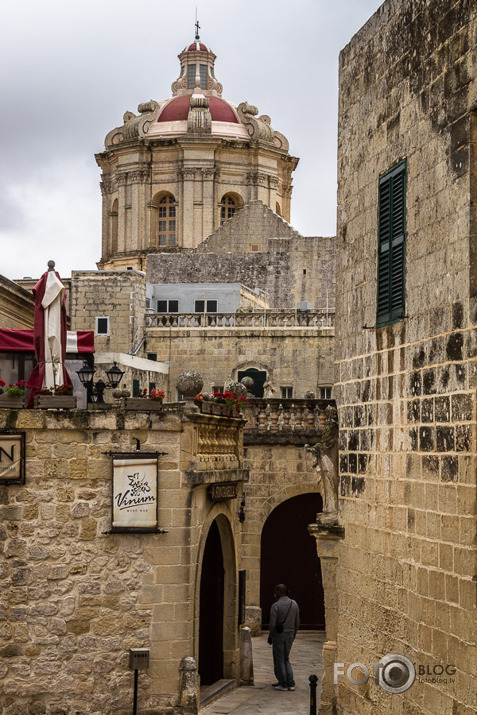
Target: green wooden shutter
(391, 245)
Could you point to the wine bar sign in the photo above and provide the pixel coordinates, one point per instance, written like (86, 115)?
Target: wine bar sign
(12, 457)
(135, 481)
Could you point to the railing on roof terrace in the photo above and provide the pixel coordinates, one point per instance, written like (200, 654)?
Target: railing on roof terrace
(244, 319)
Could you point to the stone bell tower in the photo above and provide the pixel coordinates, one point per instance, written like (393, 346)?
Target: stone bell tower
(177, 170)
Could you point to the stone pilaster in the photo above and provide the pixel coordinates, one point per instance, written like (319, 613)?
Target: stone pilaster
(328, 538)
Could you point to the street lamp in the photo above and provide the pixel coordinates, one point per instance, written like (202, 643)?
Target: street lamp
(95, 390)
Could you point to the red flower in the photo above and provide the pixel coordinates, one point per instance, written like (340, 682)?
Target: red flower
(2, 383)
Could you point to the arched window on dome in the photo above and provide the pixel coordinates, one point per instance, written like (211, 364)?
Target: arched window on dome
(166, 221)
(228, 207)
(278, 209)
(114, 226)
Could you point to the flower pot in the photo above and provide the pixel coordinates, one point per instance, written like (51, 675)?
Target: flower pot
(12, 403)
(142, 404)
(55, 402)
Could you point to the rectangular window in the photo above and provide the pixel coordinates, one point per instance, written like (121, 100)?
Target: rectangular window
(211, 306)
(391, 245)
(167, 306)
(190, 76)
(203, 76)
(217, 388)
(325, 393)
(102, 326)
(152, 356)
(135, 388)
(286, 393)
(148, 303)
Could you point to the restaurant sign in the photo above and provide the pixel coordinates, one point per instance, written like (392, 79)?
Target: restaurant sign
(222, 491)
(12, 457)
(135, 482)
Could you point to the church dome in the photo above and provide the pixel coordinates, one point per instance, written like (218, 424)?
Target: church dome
(178, 108)
(197, 47)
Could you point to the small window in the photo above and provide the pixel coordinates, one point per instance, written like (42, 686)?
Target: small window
(167, 306)
(286, 393)
(228, 207)
(135, 388)
(191, 77)
(211, 306)
(148, 303)
(152, 356)
(166, 224)
(152, 386)
(254, 247)
(217, 388)
(203, 76)
(102, 326)
(325, 393)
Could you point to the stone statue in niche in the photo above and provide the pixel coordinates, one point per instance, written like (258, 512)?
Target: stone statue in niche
(268, 390)
(325, 462)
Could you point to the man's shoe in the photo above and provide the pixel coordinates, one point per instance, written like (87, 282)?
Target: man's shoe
(275, 685)
(291, 688)
(281, 688)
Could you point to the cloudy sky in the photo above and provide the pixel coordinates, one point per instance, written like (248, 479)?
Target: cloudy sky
(71, 69)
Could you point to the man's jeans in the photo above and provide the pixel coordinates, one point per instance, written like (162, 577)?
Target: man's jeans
(281, 644)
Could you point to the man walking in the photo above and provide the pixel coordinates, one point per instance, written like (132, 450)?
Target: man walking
(284, 622)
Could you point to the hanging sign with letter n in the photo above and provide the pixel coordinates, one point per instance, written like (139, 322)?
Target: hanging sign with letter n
(12, 457)
(135, 480)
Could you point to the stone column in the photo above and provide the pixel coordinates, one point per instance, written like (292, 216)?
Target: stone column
(189, 687)
(122, 223)
(208, 202)
(328, 538)
(187, 212)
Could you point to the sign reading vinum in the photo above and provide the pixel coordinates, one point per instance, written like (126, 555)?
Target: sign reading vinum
(135, 493)
(12, 458)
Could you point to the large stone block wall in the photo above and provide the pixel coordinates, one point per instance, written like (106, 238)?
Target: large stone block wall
(74, 598)
(16, 306)
(407, 392)
(119, 295)
(298, 357)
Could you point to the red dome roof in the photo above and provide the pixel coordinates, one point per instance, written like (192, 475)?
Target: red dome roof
(178, 109)
(197, 47)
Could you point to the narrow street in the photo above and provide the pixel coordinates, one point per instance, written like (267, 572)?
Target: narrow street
(306, 660)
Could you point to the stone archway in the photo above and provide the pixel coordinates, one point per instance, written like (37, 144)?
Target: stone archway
(288, 555)
(217, 603)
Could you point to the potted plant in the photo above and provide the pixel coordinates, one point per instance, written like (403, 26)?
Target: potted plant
(145, 401)
(60, 397)
(13, 395)
(224, 404)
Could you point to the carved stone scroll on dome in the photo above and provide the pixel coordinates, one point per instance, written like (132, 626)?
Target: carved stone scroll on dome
(135, 126)
(325, 462)
(199, 119)
(260, 127)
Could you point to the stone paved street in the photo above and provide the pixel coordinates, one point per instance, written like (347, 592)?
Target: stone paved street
(306, 660)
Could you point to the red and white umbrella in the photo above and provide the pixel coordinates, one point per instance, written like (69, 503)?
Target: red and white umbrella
(49, 333)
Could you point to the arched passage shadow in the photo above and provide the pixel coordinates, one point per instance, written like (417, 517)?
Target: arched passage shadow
(288, 555)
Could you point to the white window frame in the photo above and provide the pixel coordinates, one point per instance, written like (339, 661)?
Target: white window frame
(102, 317)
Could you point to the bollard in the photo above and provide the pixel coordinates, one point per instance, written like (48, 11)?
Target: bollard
(313, 681)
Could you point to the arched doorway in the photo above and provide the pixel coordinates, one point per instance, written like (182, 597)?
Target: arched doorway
(288, 555)
(211, 624)
(259, 378)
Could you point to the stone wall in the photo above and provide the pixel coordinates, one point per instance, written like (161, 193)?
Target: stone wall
(16, 306)
(260, 250)
(119, 295)
(407, 392)
(297, 357)
(75, 597)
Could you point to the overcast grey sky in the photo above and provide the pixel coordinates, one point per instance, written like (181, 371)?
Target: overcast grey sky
(71, 69)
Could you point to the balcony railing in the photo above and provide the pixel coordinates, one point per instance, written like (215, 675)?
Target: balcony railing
(291, 415)
(244, 319)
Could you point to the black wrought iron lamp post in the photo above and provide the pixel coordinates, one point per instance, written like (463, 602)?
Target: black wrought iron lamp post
(95, 390)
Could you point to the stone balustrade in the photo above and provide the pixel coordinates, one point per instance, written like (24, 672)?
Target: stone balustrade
(243, 319)
(278, 420)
